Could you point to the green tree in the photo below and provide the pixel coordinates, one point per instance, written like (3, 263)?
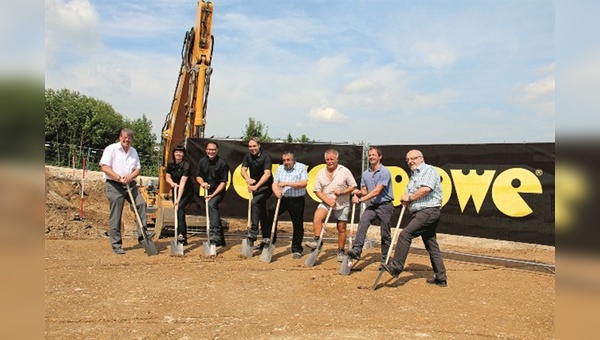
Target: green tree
(303, 139)
(145, 143)
(289, 138)
(78, 121)
(256, 128)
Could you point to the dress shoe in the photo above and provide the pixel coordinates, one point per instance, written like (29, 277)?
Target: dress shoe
(439, 283)
(395, 272)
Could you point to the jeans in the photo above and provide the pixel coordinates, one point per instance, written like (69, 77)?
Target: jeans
(384, 212)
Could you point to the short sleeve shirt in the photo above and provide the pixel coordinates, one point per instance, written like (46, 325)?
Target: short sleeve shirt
(213, 171)
(122, 162)
(341, 179)
(371, 179)
(257, 166)
(296, 174)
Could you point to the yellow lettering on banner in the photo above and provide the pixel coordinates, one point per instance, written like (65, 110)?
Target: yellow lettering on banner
(312, 178)
(507, 197)
(399, 182)
(446, 185)
(472, 185)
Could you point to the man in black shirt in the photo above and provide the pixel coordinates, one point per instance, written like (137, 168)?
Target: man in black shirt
(212, 175)
(259, 183)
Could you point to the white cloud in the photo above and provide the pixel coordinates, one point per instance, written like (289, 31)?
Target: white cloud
(538, 95)
(327, 114)
(437, 55)
(70, 27)
(330, 64)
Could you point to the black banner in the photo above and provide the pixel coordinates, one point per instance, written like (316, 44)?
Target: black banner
(498, 191)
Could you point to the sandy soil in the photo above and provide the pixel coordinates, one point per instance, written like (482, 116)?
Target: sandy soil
(495, 289)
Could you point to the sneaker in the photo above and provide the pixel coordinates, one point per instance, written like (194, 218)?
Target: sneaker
(354, 254)
(297, 256)
(313, 244)
(264, 243)
(439, 283)
(395, 272)
(340, 255)
(149, 235)
(119, 251)
(252, 237)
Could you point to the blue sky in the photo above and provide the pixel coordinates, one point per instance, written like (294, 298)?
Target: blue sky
(379, 72)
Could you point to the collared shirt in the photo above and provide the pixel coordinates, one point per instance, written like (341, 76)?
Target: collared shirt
(371, 179)
(257, 166)
(425, 175)
(180, 170)
(341, 179)
(296, 174)
(213, 172)
(123, 163)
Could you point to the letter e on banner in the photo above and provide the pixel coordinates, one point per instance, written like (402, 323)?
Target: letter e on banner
(507, 189)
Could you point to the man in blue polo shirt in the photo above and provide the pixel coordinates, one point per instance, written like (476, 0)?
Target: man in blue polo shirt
(376, 192)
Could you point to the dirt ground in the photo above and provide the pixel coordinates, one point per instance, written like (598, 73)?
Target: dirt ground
(496, 289)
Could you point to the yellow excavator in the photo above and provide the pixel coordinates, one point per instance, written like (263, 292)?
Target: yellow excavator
(187, 117)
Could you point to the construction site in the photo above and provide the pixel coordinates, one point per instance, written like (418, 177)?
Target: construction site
(496, 289)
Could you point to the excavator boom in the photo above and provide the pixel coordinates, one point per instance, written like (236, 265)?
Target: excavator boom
(187, 117)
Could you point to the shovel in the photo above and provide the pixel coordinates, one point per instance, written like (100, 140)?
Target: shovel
(247, 244)
(267, 253)
(346, 263)
(312, 257)
(209, 248)
(394, 240)
(176, 247)
(146, 242)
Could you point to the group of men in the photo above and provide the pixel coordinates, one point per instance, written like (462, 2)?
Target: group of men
(335, 186)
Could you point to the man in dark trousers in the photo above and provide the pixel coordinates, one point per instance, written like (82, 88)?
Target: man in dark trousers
(121, 165)
(259, 181)
(423, 198)
(212, 175)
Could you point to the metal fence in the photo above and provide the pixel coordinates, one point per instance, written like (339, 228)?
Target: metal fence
(73, 156)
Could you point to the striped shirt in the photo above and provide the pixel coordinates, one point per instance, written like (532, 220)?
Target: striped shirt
(425, 175)
(296, 174)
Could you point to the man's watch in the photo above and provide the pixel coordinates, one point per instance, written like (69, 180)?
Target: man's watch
(410, 198)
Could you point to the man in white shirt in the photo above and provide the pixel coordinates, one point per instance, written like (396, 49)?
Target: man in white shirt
(121, 165)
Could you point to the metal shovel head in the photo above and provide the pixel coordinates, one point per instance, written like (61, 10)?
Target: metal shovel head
(312, 257)
(346, 266)
(267, 254)
(150, 247)
(176, 248)
(209, 249)
(247, 248)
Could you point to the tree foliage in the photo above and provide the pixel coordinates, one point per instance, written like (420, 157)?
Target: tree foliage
(256, 128)
(84, 122)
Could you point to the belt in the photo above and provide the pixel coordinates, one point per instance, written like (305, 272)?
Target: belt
(425, 208)
(293, 196)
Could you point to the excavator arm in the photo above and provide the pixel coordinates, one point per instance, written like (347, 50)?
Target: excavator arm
(187, 117)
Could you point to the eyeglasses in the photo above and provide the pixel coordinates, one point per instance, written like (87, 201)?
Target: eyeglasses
(412, 158)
